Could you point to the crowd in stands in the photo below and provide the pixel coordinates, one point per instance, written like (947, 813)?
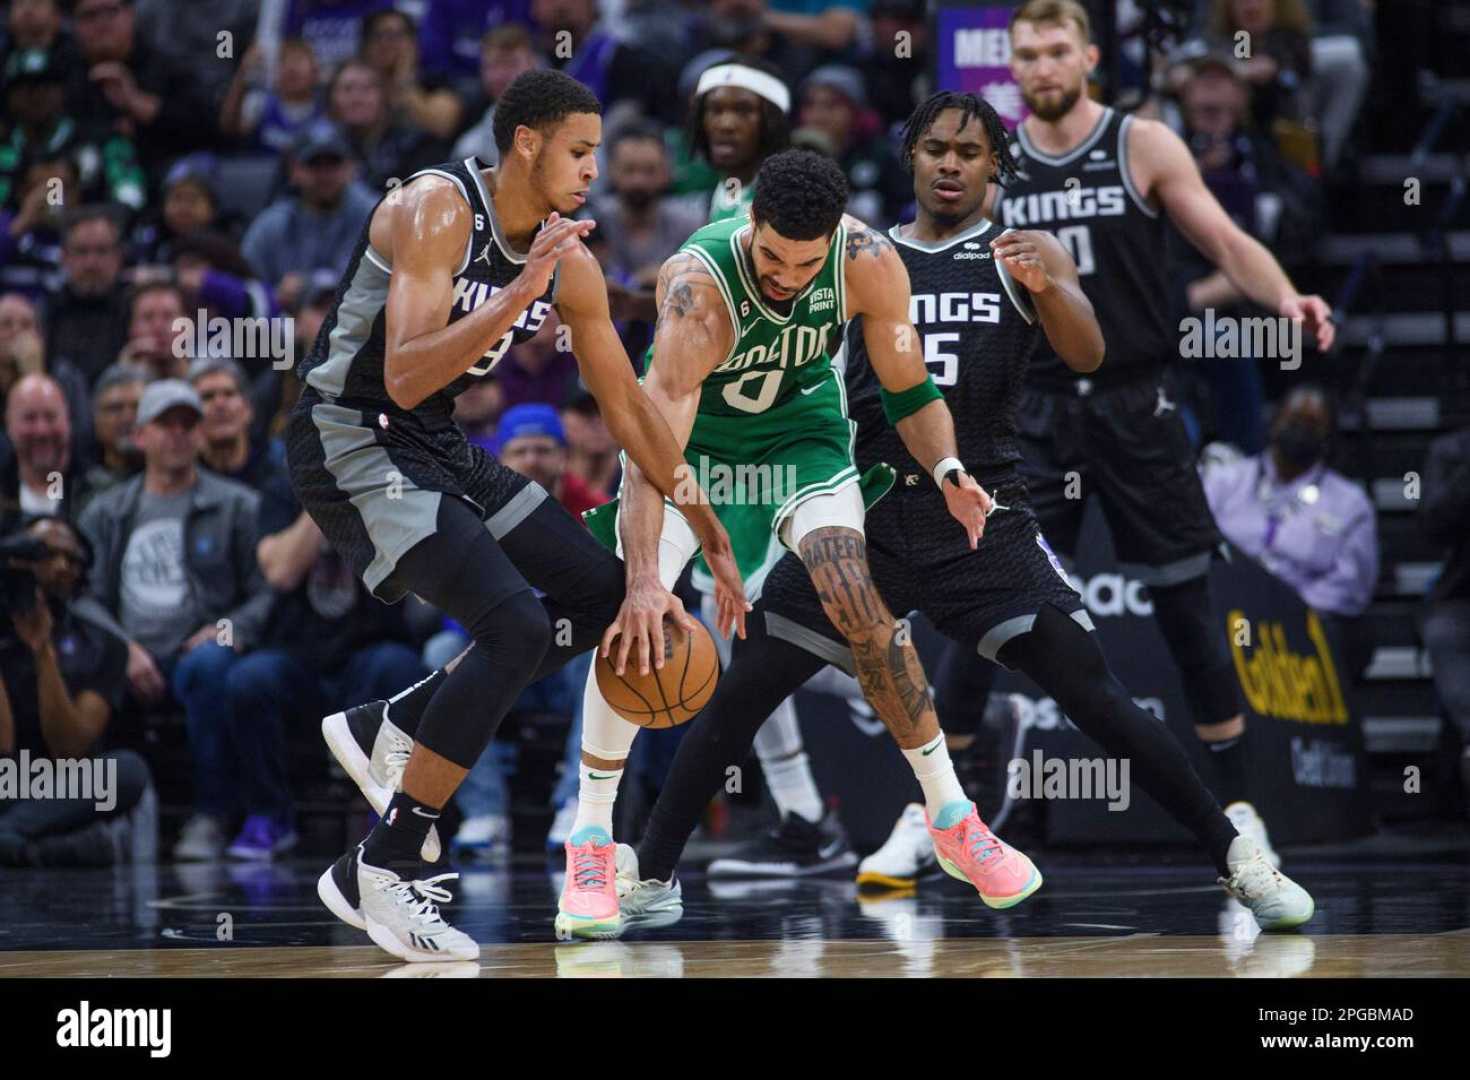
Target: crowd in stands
(212, 163)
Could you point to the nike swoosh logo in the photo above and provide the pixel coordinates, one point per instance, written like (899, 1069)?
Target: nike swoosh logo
(594, 776)
(813, 389)
(830, 850)
(420, 813)
(931, 750)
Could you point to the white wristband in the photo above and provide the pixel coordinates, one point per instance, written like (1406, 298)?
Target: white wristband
(942, 469)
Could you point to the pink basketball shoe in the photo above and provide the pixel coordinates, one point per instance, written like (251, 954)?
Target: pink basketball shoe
(968, 850)
(589, 897)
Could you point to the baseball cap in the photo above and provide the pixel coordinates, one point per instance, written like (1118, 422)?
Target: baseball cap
(163, 395)
(845, 80)
(321, 140)
(533, 419)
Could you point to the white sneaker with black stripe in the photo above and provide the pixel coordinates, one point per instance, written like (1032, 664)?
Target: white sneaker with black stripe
(402, 916)
(373, 751)
(645, 902)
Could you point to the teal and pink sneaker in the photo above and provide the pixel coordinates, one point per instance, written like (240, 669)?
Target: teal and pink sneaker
(589, 897)
(968, 850)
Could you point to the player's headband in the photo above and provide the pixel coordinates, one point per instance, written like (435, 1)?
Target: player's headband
(747, 78)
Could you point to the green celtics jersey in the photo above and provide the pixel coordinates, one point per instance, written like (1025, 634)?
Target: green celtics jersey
(722, 206)
(774, 357)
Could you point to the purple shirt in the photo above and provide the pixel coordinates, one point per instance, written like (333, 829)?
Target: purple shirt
(1317, 533)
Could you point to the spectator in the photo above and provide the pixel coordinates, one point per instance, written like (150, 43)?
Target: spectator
(116, 456)
(190, 205)
(62, 674)
(274, 393)
(30, 238)
(453, 35)
(357, 99)
(36, 478)
(743, 26)
(592, 454)
(123, 82)
(88, 318)
(330, 643)
(834, 102)
(897, 78)
(1305, 523)
(532, 442)
(1444, 512)
(153, 341)
(176, 568)
(390, 47)
(830, 25)
(23, 352)
(227, 446)
(1280, 62)
(189, 37)
(36, 24)
(641, 229)
(1269, 199)
(542, 369)
(40, 127)
(506, 53)
(274, 119)
(333, 28)
(317, 229)
(478, 410)
(214, 276)
(618, 72)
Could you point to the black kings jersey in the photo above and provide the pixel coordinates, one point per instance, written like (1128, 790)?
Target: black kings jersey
(1086, 197)
(978, 330)
(345, 364)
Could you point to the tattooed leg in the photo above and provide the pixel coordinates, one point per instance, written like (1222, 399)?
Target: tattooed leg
(888, 667)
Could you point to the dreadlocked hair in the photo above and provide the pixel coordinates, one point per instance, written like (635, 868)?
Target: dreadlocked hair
(972, 106)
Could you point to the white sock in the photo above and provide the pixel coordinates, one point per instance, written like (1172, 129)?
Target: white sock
(935, 773)
(608, 736)
(787, 769)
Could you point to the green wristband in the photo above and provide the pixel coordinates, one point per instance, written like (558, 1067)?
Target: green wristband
(907, 402)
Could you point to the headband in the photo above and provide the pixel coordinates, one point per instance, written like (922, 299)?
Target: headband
(747, 78)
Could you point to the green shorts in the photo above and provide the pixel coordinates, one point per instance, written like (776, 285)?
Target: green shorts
(756, 470)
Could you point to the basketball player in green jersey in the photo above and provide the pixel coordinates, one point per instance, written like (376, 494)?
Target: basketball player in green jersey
(741, 372)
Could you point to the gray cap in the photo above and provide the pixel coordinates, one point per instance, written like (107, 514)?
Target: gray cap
(845, 80)
(119, 374)
(165, 394)
(321, 139)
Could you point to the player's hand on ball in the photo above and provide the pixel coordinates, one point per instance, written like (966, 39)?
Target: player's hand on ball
(558, 237)
(730, 602)
(1022, 258)
(1315, 315)
(639, 627)
(968, 504)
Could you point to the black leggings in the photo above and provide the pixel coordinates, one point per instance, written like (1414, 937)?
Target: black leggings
(1057, 653)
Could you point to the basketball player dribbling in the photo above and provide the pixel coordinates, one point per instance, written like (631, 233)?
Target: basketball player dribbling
(987, 297)
(452, 268)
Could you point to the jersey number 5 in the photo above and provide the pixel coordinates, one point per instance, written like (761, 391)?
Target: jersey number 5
(947, 373)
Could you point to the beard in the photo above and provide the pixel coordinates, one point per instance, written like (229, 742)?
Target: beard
(1060, 109)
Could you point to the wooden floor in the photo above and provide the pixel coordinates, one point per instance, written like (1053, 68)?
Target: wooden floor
(1136, 956)
(1376, 917)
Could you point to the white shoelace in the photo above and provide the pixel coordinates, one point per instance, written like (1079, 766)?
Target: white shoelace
(1254, 879)
(396, 760)
(421, 908)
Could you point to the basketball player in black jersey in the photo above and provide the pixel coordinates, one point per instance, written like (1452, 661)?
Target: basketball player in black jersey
(1107, 185)
(984, 300)
(452, 268)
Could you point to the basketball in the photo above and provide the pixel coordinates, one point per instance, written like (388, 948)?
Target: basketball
(669, 697)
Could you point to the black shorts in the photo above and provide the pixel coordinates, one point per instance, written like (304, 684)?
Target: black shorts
(921, 561)
(1125, 444)
(374, 489)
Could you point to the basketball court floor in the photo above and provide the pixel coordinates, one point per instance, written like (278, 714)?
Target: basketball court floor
(1384, 910)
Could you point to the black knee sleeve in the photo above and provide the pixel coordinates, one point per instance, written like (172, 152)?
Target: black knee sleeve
(962, 683)
(1198, 641)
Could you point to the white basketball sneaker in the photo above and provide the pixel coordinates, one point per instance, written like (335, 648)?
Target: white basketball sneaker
(905, 856)
(1277, 902)
(402, 916)
(646, 902)
(373, 751)
(1248, 823)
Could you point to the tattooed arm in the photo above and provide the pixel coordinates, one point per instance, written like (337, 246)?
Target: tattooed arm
(692, 337)
(878, 290)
